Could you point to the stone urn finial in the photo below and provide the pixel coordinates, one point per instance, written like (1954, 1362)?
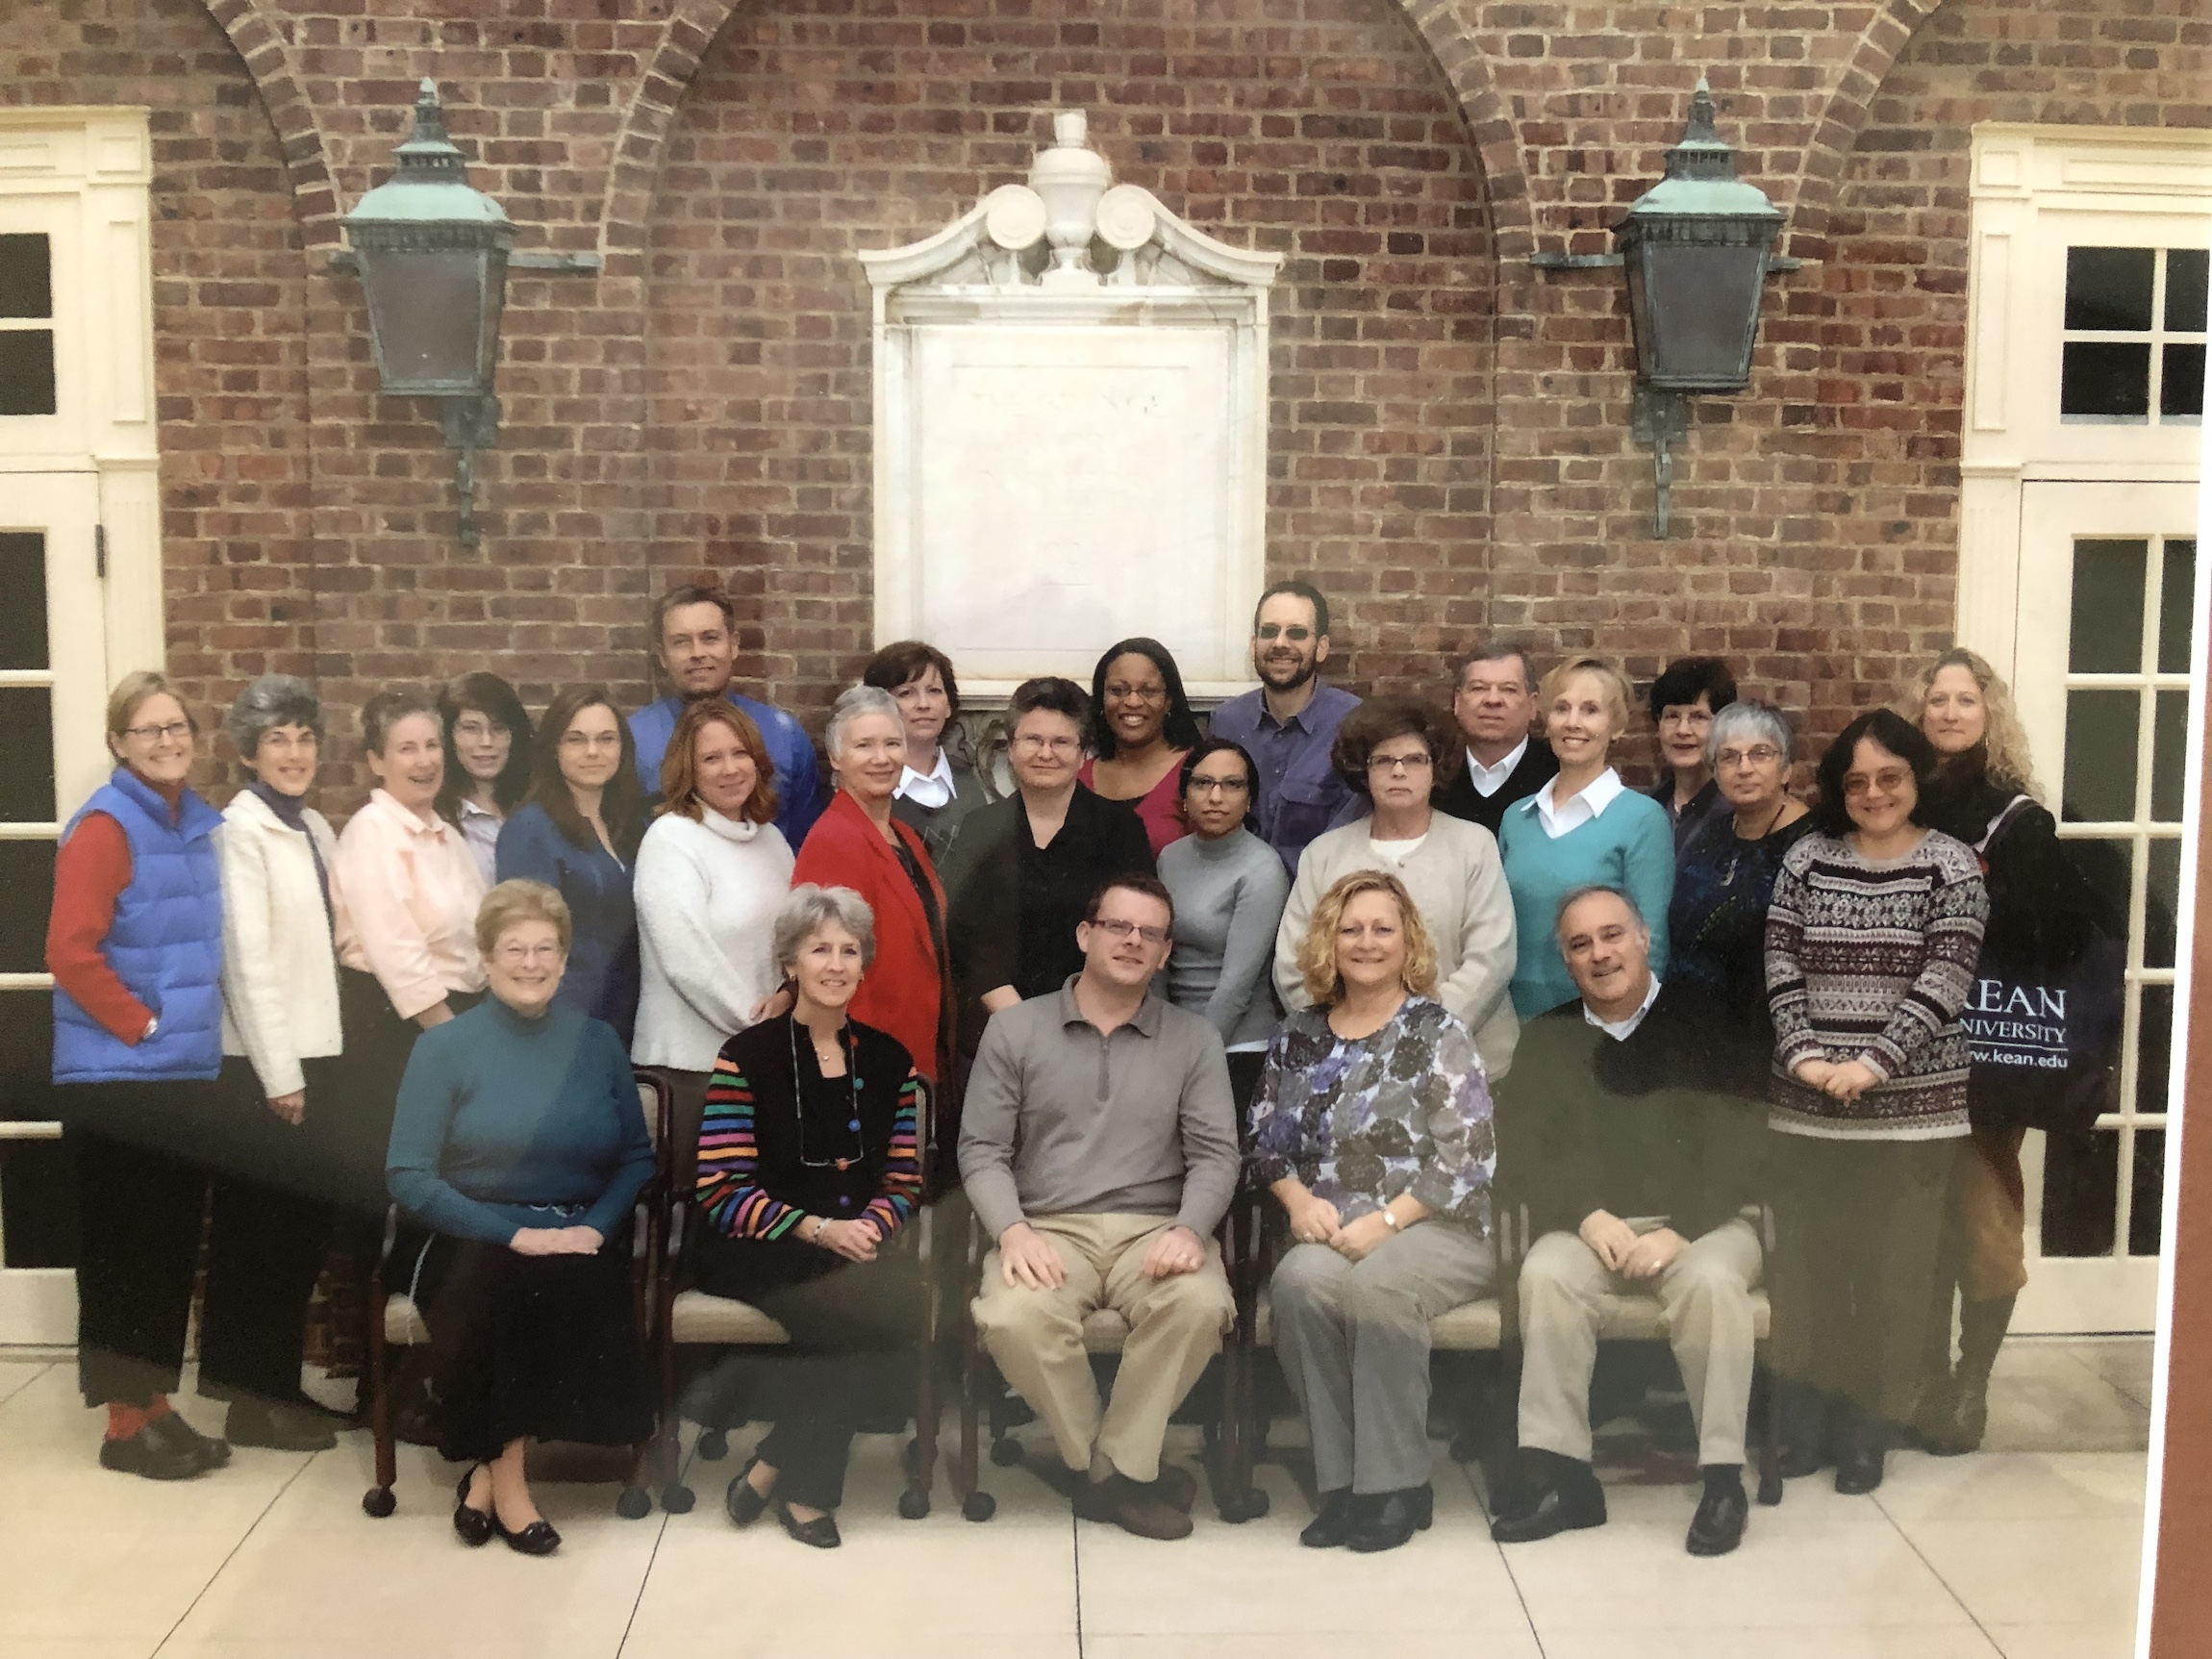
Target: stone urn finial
(1070, 177)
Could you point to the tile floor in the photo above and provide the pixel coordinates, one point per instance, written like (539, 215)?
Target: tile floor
(2026, 1551)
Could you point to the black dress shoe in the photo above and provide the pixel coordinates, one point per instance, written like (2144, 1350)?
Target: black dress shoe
(1717, 1526)
(278, 1427)
(157, 1451)
(1392, 1522)
(213, 1453)
(820, 1533)
(743, 1502)
(1333, 1524)
(1807, 1431)
(1567, 1508)
(537, 1539)
(474, 1525)
(1861, 1442)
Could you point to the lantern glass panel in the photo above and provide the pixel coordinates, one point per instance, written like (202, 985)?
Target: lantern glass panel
(433, 326)
(1701, 302)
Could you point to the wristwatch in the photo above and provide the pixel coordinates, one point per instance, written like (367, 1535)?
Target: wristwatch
(153, 1025)
(1390, 1221)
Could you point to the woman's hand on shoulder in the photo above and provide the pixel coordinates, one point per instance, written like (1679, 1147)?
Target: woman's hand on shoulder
(773, 1006)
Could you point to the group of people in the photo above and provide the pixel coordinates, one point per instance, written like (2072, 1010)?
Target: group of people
(1407, 972)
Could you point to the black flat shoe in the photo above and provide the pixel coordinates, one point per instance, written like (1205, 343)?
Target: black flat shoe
(1860, 1448)
(1333, 1524)
(820, 1533)
(1393, 1520)
(1557, 1511)
(537, 1539)
(213, 1453)
(278, 1427)
(474, 1525)
(1717, 1526)
(155, 1452)
(743, 1502)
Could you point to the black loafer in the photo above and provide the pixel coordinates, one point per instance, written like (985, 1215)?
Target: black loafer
(1333, 1524)
(1717, 1526)
(474, 1525)
(155, 1452)
(819, 1533)
(1859, 1469)
(537, 1539)
(277, 1427)
(1393, 1520)
(213, 1453)
(1570, 1510)
(743, 1502)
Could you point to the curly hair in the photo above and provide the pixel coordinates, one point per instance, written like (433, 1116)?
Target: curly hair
(1318, 950)
(2005, 741)
(1379, 719)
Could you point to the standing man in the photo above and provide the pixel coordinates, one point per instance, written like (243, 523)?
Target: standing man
(1493, 700)
(1099, 1148)
(697, 629)
(1289, 723)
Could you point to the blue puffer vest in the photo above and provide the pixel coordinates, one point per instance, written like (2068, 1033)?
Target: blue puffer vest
(166, 946)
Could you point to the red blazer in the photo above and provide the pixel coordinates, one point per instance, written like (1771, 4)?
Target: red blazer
(903, 993)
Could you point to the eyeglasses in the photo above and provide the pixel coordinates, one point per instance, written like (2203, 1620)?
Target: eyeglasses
(1765, 754)
(1121, 693)
(1035, 745)
(176, 730)
(1114, 927)
(1685, 715)
(1400, 763)
(1889, 781)
(1219, 786)
(1268, 632)
(515, 955)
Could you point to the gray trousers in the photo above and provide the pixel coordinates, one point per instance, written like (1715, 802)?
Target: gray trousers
(1705, 1306)
(1352, 1338)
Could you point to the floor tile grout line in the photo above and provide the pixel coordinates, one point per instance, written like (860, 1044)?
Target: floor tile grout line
(1910, 1542)
(37, 1370)
(645, 1579)
(1075, 1572)
(222, 1567)
(1504, 1558)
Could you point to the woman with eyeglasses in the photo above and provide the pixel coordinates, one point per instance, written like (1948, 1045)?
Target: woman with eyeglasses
(1142, 729)
(1398, 753)
(487, 745)
(578, 833)
(1718, 924)
(1229, 889)
(1689, 693)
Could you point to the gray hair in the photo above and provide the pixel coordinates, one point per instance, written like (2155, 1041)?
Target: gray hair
(1749, 718)
(271, 701)
(1591, 890)
(810, 909)
(850, 706)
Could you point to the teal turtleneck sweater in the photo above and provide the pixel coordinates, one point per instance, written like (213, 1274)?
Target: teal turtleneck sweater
(506, 1123)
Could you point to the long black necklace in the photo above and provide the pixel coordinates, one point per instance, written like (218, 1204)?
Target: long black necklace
(799, 1102)
(1728, 875)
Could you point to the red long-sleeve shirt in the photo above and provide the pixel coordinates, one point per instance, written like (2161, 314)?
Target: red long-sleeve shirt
(90, 872)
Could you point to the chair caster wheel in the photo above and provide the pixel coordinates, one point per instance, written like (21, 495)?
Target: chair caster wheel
(1006, 1454)
(1771, 1490)
(714, 1444)
(635, 1503)
(913, 1505)
(377, 1502)
(979, 1506)
(1251, 1506)
(678, 1499)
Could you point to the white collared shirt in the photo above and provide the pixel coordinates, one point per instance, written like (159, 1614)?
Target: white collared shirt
(931, 789)
(1489, 780)
(1600, 793)
(1620, 1030)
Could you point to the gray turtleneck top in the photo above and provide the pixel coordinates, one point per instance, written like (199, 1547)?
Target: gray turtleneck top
(1229, 897)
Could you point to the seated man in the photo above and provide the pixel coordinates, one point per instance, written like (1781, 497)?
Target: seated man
(1100, 1150)
(1636, 1170)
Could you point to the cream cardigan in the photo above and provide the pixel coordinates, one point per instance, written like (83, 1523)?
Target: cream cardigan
(279, 972)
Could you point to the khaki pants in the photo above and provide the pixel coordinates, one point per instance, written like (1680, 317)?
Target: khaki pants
(1705, 1298)
(1036, 1336)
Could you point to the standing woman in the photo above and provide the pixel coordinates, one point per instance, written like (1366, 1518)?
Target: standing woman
(2043, 914)
(488, 742)
(1584, 828)
(578, 833)
(937, 788)
(1141, 729)
(1871, 941)
(412, 887)
(1686, 699)
(284, 924)
(1718, 921)
(859, 845)
(135, 945)
(1229, 889)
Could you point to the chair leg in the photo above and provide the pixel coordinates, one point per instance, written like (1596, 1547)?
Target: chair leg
(637, 1500)
(922, 1469)
(1770, 1442)
(974, 1503)
(378, 1500)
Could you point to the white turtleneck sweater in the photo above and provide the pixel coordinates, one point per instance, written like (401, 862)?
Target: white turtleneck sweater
(707, 893)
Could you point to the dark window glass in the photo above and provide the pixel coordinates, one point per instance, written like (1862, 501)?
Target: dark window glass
(26, 898)
(2185, 289)
(2176, 604)
(2079, 1195)
(22, 599)
(2106, 629)
(37, 1195)
(2169, 755)
(2101, 754)
(27, 371)
(27, 280)
(2162, 904)
(2154, 1051)
(2107, 865)
(2109, 288)
(2100, 378)
(2181, 382)
(27, 780)
(2146, 1204)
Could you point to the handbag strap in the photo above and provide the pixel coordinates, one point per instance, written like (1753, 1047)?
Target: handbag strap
(2016, 805)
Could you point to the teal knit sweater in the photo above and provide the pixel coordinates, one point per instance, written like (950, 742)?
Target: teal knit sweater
(1630, 847)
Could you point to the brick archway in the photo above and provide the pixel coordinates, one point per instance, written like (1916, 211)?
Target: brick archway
(307, 162)
(1886, 36)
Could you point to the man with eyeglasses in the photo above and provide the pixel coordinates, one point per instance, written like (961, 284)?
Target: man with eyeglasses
(1100, 1150)
(1288, 722)
(1494, 701)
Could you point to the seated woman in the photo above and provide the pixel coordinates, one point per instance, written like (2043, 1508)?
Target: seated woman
(810, 1162)
(1372, 1129)
(517, 1141)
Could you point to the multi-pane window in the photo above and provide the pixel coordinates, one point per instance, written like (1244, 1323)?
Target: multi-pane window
(2135, 332)
(26, 325)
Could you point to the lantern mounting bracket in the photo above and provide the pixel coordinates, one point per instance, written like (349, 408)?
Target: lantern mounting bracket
(1659, 418)
(470, 424)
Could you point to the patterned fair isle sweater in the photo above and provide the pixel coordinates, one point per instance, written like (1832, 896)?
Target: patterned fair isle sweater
(1871, 960)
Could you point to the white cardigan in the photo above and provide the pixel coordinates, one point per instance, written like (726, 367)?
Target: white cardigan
(707, 895)
(280, 973)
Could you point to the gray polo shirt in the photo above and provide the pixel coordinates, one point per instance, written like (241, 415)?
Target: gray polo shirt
(1060, 1119)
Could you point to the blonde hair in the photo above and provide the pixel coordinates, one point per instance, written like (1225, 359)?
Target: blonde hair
(133, 691)
(2003, 738)
(516, 901)
(1618, 693)
(1318, 950)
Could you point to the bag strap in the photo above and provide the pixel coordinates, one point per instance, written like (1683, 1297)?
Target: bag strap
(2017, 804)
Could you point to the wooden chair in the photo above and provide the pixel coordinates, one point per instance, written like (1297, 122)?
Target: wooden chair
(394, 1321)
(689, 1316)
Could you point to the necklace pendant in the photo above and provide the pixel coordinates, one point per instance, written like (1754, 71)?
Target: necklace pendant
(844, 1163)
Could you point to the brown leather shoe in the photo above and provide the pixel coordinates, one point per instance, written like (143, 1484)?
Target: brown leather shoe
(1176, 1486)
(1131, 1507)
